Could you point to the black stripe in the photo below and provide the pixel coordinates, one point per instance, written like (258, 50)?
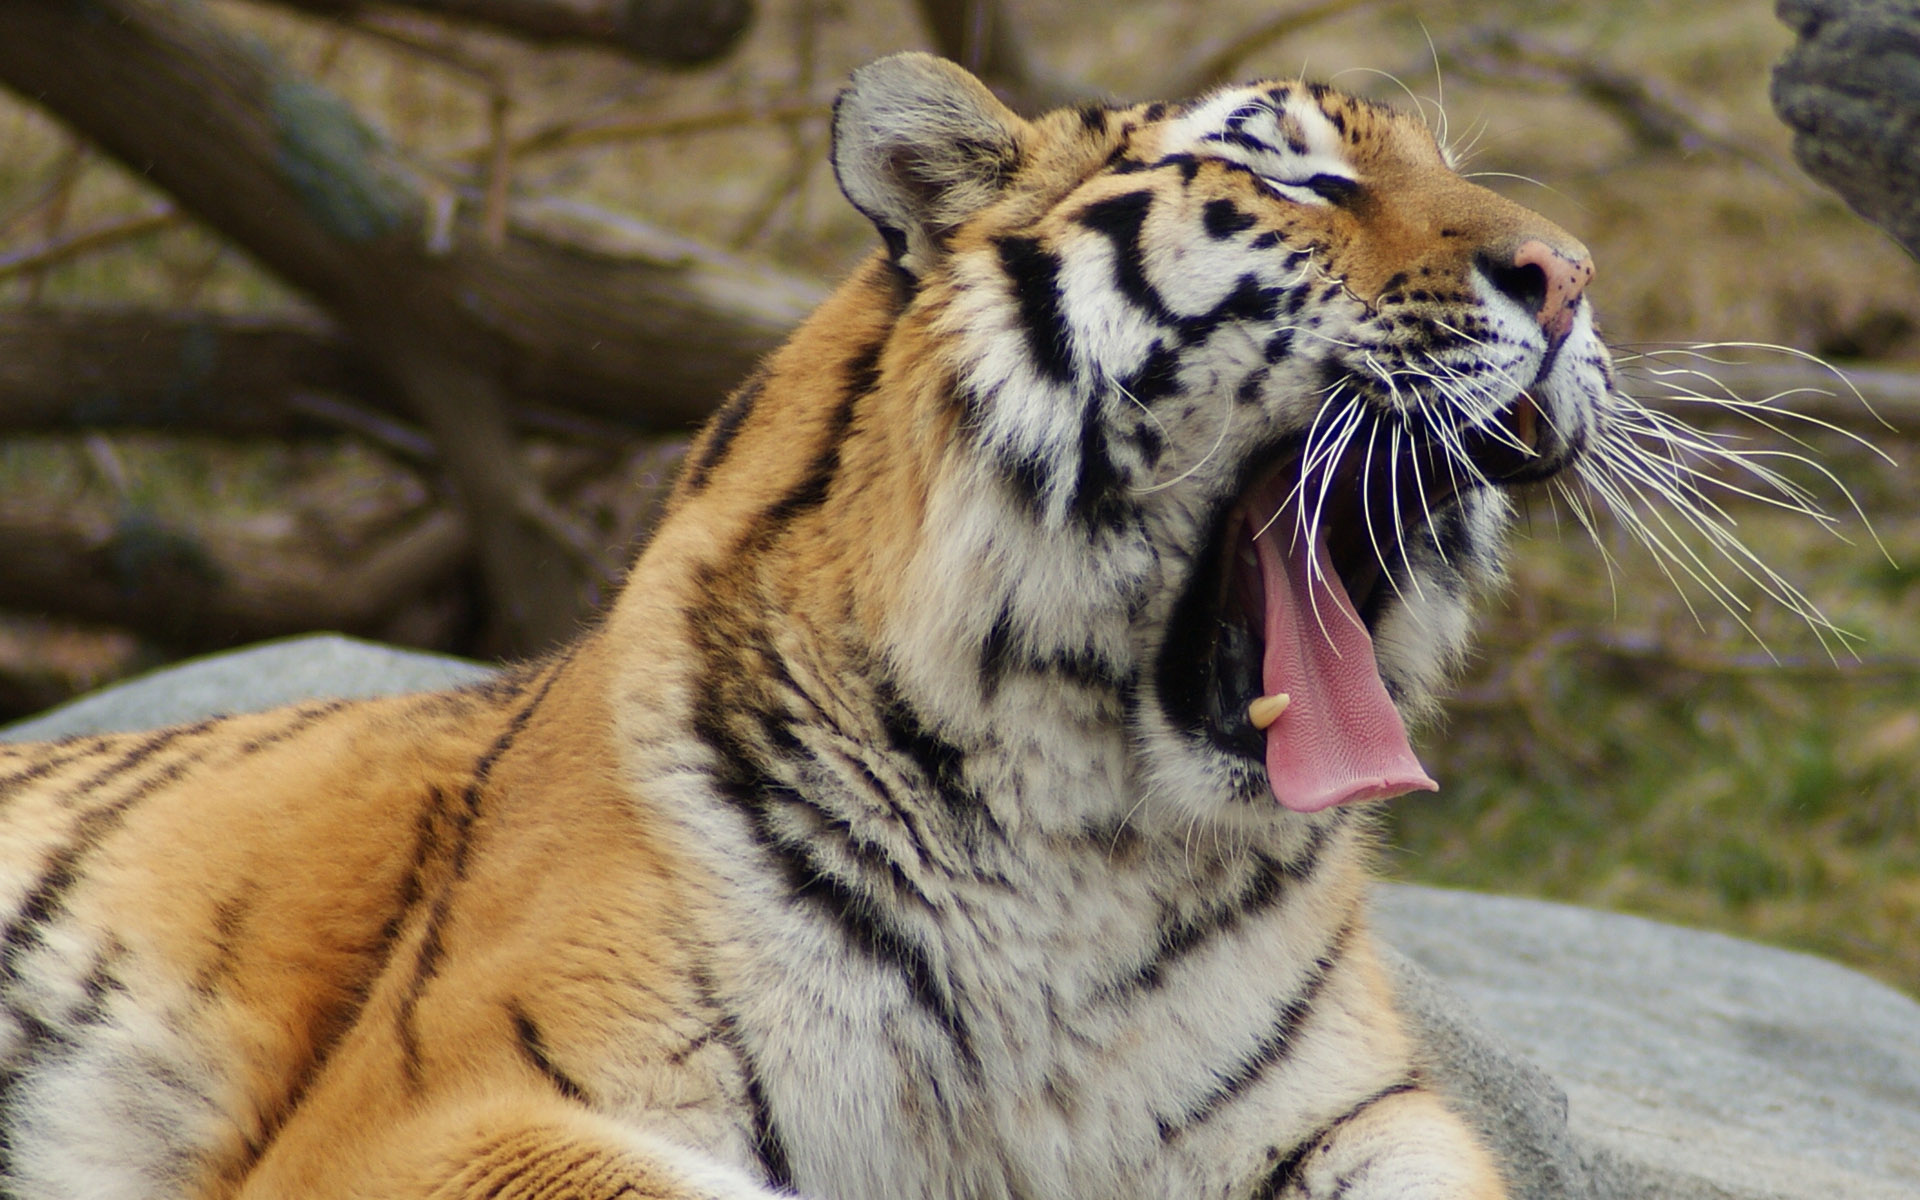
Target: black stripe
(53, 757)
(858, 912)
(942, 763)
(769, 1144)
(1026, 476)
(1241, 138)
(1250, 301)
(865, 926)
(1003, 654)
(304, 718)
(426, 845)
(1147, 441)
(149, 745)
(41, 1041)
(1097, 502)
(723, 1028)
(1122, 219)
(1181, 937)
(1223, 219)
(426, 963)
(1273, 1047)
(527, 1036)
(1035, 275)
(230, 916)
(1189, 165)
(1158, 377)
(46, 899)
(1286, 1173)
(863, 375)
(860, 917)
(718, 437)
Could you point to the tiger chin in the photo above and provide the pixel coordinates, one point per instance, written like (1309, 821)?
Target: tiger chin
(964, 797)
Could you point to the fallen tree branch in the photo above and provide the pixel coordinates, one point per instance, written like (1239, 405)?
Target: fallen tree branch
(68, 246)
(203, 588)
(202, 373)
(292, 175)
(985, 38)
(679, 32)
(241, 376)
(1655, 120)
(577, 134)
(1218, 61)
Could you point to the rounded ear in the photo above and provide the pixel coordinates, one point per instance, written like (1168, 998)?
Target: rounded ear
(919, 146)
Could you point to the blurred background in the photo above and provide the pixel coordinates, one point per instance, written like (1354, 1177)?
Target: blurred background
(393, 319)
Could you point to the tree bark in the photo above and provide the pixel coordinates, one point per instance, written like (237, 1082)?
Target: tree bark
(677, 32)
(207, 588)
(1850, 90)
(639, 320)
(137, 369)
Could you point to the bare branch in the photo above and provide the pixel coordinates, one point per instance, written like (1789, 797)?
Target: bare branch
(215, 586)
(64, 247)
(600, 131)
(983, 37)
(1654, 119)
(681, 32)
(292, 175)
(234, 376)
(1217, 62)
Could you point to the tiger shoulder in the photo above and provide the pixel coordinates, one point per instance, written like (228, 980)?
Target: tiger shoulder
(968, 795)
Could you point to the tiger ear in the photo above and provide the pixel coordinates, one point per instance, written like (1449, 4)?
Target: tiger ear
(919, 146)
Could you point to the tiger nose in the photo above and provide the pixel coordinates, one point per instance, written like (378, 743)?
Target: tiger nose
(1546, 282)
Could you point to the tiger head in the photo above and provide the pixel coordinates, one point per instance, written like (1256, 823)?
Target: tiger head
(1150, 413)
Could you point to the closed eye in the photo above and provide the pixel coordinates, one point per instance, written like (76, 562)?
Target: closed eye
(1315, 189)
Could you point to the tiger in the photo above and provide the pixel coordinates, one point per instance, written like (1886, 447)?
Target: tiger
(969, 793)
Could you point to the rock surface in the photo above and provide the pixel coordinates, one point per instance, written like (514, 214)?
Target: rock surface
(1693, 1065)
(1633, 1060)
(1850, 90)
(258, 677)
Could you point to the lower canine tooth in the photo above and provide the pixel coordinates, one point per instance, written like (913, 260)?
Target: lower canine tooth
(1267, 709)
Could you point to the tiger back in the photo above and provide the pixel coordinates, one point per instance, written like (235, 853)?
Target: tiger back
(967, 796)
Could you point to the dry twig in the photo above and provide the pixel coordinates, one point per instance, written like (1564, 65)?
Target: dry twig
(107, 234)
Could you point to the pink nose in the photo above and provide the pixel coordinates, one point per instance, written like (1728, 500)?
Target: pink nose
(1564, 279)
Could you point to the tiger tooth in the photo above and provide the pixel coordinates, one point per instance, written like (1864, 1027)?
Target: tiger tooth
(1267, 709)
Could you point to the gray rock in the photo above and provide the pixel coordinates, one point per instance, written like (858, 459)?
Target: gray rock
(1850, 90)
(249, 680)
(1694, 1065)
(1633, 1060)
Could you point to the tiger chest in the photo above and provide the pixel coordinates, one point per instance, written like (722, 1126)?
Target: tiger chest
(1073, 1032)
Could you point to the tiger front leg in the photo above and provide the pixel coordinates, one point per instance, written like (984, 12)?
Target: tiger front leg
(1402, 1145)
(511, 1148)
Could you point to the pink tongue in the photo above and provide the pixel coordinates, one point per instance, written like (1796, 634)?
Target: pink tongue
(1340, 740)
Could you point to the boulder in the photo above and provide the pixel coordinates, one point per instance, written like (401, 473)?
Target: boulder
(1633, 1060)
(1850, 90)
(258, 677)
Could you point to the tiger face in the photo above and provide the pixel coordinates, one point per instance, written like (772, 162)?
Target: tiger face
(1243, 388)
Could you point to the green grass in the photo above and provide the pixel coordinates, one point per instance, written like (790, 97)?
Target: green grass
(1611, 749)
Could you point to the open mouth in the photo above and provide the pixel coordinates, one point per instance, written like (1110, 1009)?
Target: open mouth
(1270, 654)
